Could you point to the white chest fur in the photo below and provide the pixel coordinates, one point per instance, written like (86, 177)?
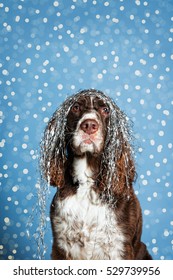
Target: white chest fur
(85, 227)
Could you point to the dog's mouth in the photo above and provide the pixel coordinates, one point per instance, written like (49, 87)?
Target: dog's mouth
(83, 142)
(88, 141)
(89, 138)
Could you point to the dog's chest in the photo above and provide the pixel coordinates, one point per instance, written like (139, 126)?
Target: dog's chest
(86, 228)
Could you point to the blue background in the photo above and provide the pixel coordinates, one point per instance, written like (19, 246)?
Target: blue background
(51, 49)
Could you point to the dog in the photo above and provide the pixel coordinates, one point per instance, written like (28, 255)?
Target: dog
(87, 154)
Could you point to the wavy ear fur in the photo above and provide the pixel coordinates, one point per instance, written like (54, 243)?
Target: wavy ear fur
(125, 172)
(55, 173)
(53, 155)
(120, 182)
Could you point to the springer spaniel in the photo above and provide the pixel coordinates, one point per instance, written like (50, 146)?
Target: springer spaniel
(87, 154)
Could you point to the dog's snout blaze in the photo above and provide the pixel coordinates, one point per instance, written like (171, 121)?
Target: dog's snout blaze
(89, 126)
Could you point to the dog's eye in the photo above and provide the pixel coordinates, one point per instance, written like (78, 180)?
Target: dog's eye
(76, 108)
(104, 111)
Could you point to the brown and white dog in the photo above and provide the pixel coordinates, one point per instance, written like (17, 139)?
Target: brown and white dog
(87, 154)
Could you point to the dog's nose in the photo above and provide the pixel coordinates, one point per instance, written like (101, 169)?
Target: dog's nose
(89, 126)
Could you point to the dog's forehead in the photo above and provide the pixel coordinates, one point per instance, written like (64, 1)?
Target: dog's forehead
(90, 100)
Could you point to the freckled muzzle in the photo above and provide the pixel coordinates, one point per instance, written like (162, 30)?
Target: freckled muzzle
(88, 136)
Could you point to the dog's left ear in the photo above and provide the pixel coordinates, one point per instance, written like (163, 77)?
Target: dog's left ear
(53, 153)
(125, 170)
(119, 171)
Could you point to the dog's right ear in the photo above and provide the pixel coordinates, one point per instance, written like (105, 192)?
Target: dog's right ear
(53, 153)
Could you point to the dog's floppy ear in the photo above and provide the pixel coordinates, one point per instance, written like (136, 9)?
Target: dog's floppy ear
(125, 165)
(53, 152)
(124, 161)
(53, 145)
(118, 168)
(125, 171)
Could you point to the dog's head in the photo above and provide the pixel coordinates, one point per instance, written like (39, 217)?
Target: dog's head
(89, 122)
